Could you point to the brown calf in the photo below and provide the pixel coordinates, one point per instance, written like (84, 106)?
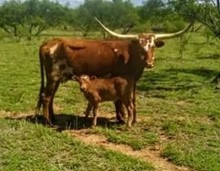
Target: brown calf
(112, 89)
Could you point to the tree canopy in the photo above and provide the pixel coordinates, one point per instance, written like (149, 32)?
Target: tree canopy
(31, 17)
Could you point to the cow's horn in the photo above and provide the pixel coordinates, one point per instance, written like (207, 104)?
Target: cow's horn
(129, 36)
(171, 35)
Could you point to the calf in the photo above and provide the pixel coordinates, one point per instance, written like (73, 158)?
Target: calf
(112, 89)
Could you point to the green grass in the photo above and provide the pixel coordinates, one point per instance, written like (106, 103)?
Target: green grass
(25, 146)
(178, 108)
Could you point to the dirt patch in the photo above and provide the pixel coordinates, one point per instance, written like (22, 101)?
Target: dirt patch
(15, 115)
(148, 155)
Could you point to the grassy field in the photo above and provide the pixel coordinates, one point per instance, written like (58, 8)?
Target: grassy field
(178, 111)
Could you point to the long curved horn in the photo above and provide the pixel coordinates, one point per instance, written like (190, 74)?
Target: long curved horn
(172, 35)
(129, 36)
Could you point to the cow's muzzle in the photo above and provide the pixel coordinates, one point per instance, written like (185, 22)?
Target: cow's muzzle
(82, 89)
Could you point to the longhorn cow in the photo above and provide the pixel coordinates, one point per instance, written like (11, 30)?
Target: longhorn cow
(61, 58)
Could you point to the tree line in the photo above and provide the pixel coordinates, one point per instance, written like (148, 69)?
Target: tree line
(31, 17)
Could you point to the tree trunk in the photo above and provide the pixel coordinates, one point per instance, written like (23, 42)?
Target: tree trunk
(216, 81)
(218, 5)
(217, 78)
(15, 31)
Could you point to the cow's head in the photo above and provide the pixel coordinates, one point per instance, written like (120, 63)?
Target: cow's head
(84, 81)
(147, 41)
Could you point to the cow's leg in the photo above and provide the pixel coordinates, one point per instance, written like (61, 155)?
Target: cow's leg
(47, 99)
(95, 111)
(88, 109)
(120, 111)
(130, 108)
(51, 111)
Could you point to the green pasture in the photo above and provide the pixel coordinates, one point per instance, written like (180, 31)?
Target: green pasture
(178, 110)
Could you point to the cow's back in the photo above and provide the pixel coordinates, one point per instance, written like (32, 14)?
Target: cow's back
(101, 57)
(89, 57)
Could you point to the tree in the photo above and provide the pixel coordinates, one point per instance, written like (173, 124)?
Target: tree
(30, 17)
(11, 18)
(160, 15)
(151, 9)
(84, 15)
(33, 21)
(210, 16)
(123, 14)
(39, 15)
(206, 12)
(116, 14)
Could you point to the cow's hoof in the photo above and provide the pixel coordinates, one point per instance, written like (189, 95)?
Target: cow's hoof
(121, 122)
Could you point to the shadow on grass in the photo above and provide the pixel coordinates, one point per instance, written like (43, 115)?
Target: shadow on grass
(209, 56)
(203, 72)
(176, 80)
(170, 80)
(68, 121)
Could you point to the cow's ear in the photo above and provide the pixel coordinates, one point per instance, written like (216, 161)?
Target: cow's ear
(93, 77)
(75, 78)
(159, 43)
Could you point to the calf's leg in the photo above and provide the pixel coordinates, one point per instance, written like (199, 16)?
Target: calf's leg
(95, 110)
(120, 111)
(88, 109)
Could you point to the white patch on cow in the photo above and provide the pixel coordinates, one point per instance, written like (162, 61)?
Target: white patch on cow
(146, 47)
(115, 50)
(53, 49)
(152, 44)
(149, 44)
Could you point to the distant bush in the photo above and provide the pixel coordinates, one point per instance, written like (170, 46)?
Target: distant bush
(142, 28)
(173, 26)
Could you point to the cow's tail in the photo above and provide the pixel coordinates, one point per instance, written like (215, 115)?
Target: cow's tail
(40, 96)
(134, 103)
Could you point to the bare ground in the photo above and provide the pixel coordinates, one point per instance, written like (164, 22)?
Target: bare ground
(148, 154)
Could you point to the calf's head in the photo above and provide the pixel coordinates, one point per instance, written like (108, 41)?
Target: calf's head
(84, 81)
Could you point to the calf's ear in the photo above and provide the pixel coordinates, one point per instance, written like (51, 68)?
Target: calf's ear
(93, 77)
(75, 78)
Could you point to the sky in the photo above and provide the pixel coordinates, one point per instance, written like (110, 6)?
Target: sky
(75, 3)
(78, 2)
